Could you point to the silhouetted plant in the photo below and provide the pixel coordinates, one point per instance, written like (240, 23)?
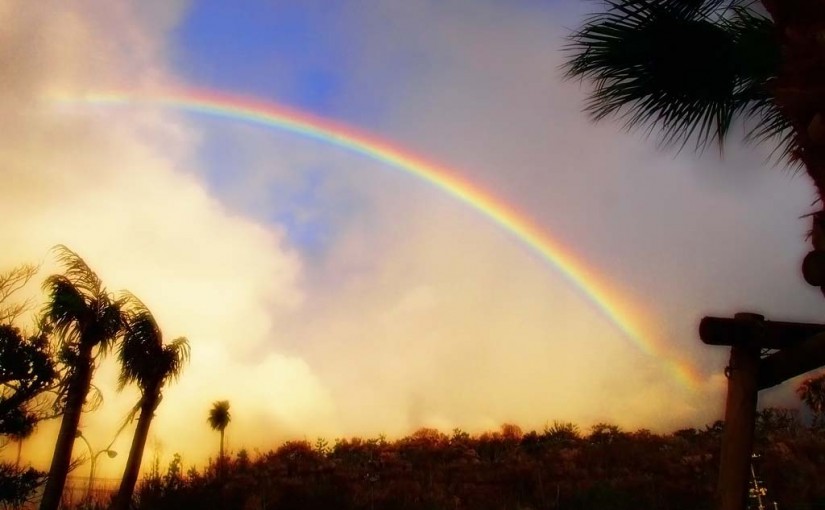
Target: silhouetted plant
(690, 68)
(219, 419)
(87, 320)
(146, 361)
(640, 469)
(812, 392)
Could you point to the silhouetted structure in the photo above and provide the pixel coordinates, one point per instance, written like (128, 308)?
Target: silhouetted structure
(763, 354)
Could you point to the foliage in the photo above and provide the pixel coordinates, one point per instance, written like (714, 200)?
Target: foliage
(812, 392)
(87, 320)
(148, 362)
(11, 282)
(143, 357)
(686, 68)
(26, 371)
(505, 469)
(17, 485)
(81, 314)
(219, 416)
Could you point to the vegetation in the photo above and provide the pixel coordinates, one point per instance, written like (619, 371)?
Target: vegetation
(607, 468)
(86, 320)
(219, 419)
(80, 322)
(690, 68)
(27, 373)
(812, 393)
(146, 361)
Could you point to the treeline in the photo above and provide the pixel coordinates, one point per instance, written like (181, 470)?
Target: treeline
(605, 468)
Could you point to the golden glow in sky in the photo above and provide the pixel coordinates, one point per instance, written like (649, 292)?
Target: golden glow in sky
(324, 294)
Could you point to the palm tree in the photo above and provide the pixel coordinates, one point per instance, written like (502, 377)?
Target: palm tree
(87, 320)
(691, 67)
(146, 361)
(812, 393)
(219, 419)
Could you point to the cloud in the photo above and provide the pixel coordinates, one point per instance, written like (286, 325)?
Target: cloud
(325, 294)
(122, 191)
(419, 312)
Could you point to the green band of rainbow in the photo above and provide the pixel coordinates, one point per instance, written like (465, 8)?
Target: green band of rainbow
(270, 115)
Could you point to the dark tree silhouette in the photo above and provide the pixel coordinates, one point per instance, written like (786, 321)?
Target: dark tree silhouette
(219, 419)
(10, 282)
(690, 67)
(26, 371)
(812, 392)
(146, 361)
(87, 320)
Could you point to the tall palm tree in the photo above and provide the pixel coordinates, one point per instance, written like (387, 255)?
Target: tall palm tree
(219, 419)
(146, 361)
(87, 320)
(812, 393)
(691, 67)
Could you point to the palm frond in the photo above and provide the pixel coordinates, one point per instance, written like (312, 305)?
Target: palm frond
(65, 307)
(176, 355)
(219, 416)
(686, 68)
(79, 309)
(144, 359)
(78, 272)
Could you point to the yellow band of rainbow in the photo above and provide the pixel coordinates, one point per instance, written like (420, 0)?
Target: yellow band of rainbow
(271, 115)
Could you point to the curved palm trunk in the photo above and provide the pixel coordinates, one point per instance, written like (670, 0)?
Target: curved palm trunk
(61, 459)
(151, 399)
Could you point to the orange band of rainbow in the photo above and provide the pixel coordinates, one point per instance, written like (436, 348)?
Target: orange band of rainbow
(271, 115)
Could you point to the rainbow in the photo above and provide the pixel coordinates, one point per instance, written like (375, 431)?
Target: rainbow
(271, 115)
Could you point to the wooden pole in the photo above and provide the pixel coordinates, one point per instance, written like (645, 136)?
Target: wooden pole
(740, 416)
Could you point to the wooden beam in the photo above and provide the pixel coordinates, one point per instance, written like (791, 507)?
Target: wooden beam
(737, 436)
(792, 361)
(742, 330)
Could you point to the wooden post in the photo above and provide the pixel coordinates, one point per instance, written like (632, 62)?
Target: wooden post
(800, 346)
(740, 417)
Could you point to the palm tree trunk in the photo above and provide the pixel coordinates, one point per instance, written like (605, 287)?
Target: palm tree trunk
(800, 94)
(130, 474)
(221, 459)
(61, 459)
(19, 450)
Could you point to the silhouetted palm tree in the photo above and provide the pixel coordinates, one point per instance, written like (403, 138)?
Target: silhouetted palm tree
(812, 393)
(87, 320)
(219, 419)
(690, 67)
(145, 360)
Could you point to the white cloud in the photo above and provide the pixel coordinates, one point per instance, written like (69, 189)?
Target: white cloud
(121, 190)
(418, 311)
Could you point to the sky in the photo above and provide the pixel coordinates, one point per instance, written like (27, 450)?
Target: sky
(328, 294)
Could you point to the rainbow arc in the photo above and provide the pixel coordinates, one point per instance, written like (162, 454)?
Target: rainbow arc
(269, 115)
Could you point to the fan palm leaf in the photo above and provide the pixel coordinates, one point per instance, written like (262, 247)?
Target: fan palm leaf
(685, 68)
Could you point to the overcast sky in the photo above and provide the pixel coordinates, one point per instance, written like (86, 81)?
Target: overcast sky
(327, 294)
